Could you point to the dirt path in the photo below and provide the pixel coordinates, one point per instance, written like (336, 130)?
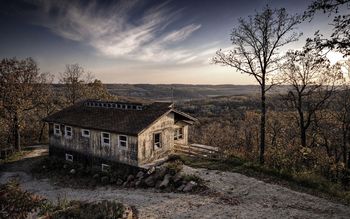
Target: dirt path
(256, 198)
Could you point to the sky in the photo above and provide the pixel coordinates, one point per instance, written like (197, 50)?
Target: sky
(136, 41)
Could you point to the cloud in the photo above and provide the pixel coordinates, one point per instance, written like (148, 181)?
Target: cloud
(124, 29)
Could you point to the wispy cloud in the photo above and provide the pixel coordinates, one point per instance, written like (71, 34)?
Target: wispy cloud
(124, 29)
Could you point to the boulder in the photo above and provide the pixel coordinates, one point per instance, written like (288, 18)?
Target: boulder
(165, 181)
(119, 182)
(177, 178)
(190, 186)
(104, 179)
(180, 188)
(65, 166)
(138, 182)
(157, 186)
(160, 173)
(151, 170)
(150, 181)
(130, 178)
(140, 175)
(72, 171)
(96, 176)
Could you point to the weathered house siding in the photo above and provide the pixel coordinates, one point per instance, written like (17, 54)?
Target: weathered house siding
(93, 146)
(147, 151)
(184, 126)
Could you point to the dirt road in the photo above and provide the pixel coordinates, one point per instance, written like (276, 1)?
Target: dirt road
(257, 199)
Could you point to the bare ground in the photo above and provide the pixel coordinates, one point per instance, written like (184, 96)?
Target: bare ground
(256, 199)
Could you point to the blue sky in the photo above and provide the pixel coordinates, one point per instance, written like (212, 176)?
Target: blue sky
(135, 41)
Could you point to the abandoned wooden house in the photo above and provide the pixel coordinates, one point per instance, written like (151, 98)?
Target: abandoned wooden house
(103, 132)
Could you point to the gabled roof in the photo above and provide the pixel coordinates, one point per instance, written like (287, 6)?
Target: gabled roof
(87, 114)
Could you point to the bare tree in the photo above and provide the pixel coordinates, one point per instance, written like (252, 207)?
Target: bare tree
(74, 78)
(21, 89)
(80, 84)
(312, 81)
(340, 38)
(256, 42)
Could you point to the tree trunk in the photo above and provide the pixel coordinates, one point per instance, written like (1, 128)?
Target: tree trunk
(17, 135)
(41, 132)
(345, 149)
(262, 124)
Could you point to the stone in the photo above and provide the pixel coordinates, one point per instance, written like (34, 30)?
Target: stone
(180, 188)
(151, 170)
(130, 178)
(165, 181)
(96, 176)
(138, 182)
(65, 166)
(150, 181)
(160, 173)
(140, 175)
(132, 184)
(104, 179)
(72, 171)
(190, 186)
(119, 182)
(157, 186)
(177, 178)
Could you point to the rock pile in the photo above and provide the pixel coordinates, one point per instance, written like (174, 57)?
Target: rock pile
(159, 178)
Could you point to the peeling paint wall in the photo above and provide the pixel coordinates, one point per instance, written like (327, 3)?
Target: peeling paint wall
(184, 126)
(93, 146)
(147, 151)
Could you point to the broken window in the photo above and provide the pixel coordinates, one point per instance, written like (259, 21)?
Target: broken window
(157, 140)
(105, 139)
(57, 129)
(178, 134)
(123, 141)
(69, 157)
(105, 167)
(68, 131)
(85, 133)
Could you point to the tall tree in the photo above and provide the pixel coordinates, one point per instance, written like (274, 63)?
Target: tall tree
(256, 42)
(312, 81)
(21, 89)
(79, 84)
(74, 78)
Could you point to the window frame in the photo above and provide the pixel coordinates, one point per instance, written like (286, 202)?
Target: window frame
(178, 135)
(69, 159)
(65, 131)
(83, 134)
(160, 141)
(103, 166)
(109, 139)
(59, 129)
(126, 141)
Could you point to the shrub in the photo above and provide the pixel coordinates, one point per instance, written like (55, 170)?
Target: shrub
(16, 203)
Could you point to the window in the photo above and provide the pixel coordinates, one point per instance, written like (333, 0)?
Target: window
(57, 129)
(105, 139)
(157, 140)
(123, 141)
(69, 157)
(85, 133)
(178, 134)
(105, 167)
(68, 131)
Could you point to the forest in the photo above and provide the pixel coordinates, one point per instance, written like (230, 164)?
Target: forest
(304, 131)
